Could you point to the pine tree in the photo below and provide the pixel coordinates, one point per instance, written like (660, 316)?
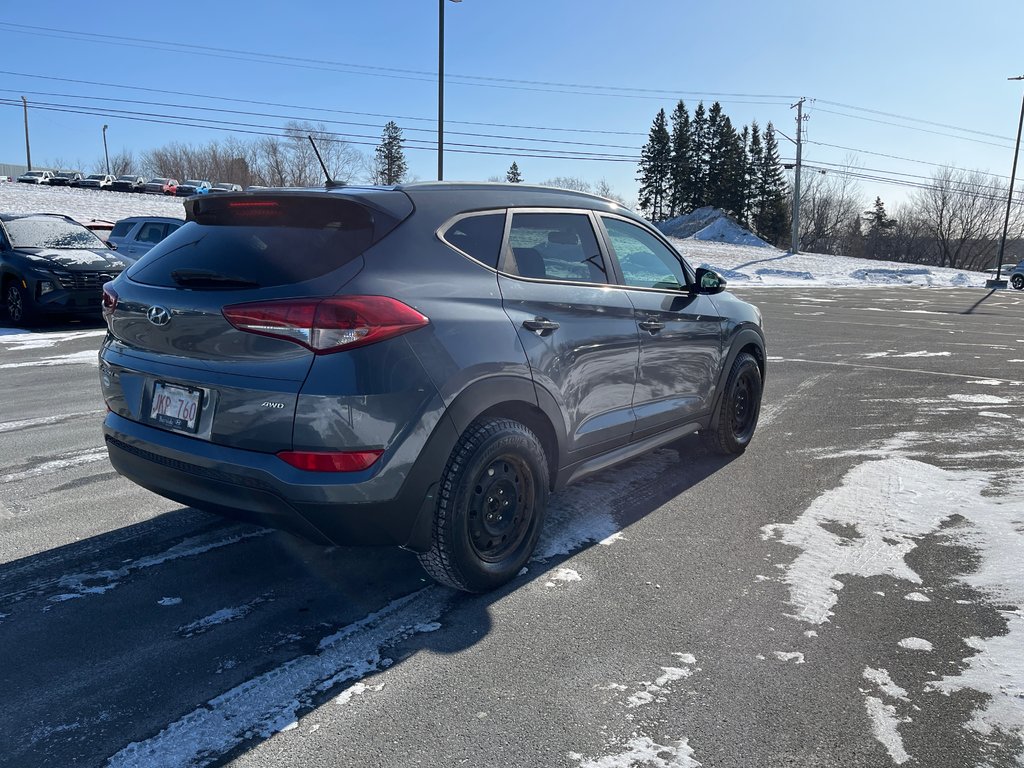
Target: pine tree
(772, 220)
(755, 158)
(513, 176)
(880, 226)
(699, 153)
(653, 171)
(681, 173)
(389, 164)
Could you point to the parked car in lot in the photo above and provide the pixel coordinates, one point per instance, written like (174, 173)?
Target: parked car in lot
(66, 179)
(1016, 277)
(226, 186)
(160, 186)
(129, 183)
(36, 177)
(97, 181)
(5, 178)
(101, 227)
(52, 265)
(192, 187)
(136, 235)
(441, 358)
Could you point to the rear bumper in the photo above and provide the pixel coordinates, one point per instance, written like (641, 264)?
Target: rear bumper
(339, 508)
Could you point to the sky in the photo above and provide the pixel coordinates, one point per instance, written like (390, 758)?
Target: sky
(891, 88)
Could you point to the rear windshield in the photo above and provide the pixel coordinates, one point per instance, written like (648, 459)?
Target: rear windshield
(257, 242)
(50, 233)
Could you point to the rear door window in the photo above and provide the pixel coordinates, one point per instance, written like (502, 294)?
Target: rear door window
(258, 242)
(555, 246)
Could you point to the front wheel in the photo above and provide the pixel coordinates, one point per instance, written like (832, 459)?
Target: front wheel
(19, 306)
(490, 507)
(738, 409)
(1017, 281)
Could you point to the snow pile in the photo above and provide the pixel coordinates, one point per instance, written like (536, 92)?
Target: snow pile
(86, 204)
(711, 224)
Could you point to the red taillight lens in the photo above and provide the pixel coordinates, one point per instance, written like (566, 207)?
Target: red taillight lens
(327, 325)
(330, 461)
(109, 300)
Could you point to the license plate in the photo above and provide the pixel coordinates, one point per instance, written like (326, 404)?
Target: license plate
(175, 406)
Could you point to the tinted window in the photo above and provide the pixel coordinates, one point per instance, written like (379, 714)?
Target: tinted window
(478, 236)
(556, 246)
(121, 228)
(259, 241)
(151, 232)
(644, 260)
(99, 176)
(51, 233)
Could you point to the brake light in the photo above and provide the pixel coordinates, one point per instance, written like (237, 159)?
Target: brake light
(252, 209)
(330, 461)
(327, 325)
(109, 300)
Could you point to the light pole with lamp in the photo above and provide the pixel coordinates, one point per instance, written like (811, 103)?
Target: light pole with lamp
(105, 154)
(999, 282)
(440, 87)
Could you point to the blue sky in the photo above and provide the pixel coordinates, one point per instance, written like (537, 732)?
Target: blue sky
(524, 67)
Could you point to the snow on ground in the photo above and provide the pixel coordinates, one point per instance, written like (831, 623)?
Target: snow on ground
(706, 237)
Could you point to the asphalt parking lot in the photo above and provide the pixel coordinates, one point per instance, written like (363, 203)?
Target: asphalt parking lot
(683, 609)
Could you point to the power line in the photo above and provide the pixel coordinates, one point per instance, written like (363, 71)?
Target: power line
(913, 119)
(913, 128)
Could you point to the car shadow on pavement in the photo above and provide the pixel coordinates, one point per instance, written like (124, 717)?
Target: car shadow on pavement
(188, 635)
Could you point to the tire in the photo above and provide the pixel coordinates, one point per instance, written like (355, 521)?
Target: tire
(1017, 281)
(19, 305)
(491, 507)
(736, 418)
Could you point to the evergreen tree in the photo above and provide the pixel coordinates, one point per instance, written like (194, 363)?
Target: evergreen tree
(513, 176)
(653, 172)
(389, 163)
(699, 153)
(880, 227)
(772, 221)
(726, 164)
(681, 174)
(755, 158)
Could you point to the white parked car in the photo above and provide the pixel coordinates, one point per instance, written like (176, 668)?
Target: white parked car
(97, 181)
(36, 177)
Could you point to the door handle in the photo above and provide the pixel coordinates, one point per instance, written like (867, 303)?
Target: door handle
(540, 325)
(652, 326)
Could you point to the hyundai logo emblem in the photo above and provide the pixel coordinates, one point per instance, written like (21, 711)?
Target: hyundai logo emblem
(158, 315)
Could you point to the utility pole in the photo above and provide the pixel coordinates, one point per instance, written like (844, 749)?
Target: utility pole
(28, 151)
(998, 282)
(795, 248)
(105, 153)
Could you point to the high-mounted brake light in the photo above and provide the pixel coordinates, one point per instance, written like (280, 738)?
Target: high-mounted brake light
(327, 325)
(253, 204)
(330, 461)
(109, 300)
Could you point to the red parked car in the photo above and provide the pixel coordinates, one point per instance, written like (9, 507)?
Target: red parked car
(161, 186)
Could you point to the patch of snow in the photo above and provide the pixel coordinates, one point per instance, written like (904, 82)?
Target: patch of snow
(686, 658)
(987, 382)
(885, 727)
(357, 689)
(994, 415)
(925, 353)
(643, 752)
(914, 644)
(881, 678)
(980, 399)
(607, 541)
(794, 656)
(86, 357)
(223, 616)
(566, 574)
(66, 461)
(917, 597)
(169, 601)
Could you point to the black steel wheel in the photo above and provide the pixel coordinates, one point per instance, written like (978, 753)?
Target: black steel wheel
(734, 422)
(490, 508)
(1017, 281)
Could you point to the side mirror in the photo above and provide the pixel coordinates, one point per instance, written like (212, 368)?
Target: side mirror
(709, 282)
(110, 245)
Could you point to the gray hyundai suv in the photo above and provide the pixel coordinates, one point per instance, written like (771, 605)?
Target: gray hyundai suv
(417, 365)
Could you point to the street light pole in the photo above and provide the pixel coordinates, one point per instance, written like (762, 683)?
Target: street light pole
(28, 151)
(105, 154)
(440, 88)
(999, 282)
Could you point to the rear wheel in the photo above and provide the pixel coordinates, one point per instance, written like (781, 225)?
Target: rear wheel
(490, 508)
(1017, 281)
(19, 305)
(736, 418)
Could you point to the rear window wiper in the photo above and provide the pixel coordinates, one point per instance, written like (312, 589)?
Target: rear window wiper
(201, 278)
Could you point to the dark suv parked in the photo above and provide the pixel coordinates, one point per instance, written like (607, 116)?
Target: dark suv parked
(417, 365)
(52, 265)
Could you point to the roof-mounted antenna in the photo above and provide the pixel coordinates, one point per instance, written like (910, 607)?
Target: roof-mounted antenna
(330, 183)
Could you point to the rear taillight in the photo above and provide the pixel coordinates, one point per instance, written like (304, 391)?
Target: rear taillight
(330, 461)
(327, 325)
(109, 300)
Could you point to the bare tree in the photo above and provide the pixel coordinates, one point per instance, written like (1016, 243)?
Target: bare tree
(604, 189)
(574, 183)
(829, 202)
(963, 213)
